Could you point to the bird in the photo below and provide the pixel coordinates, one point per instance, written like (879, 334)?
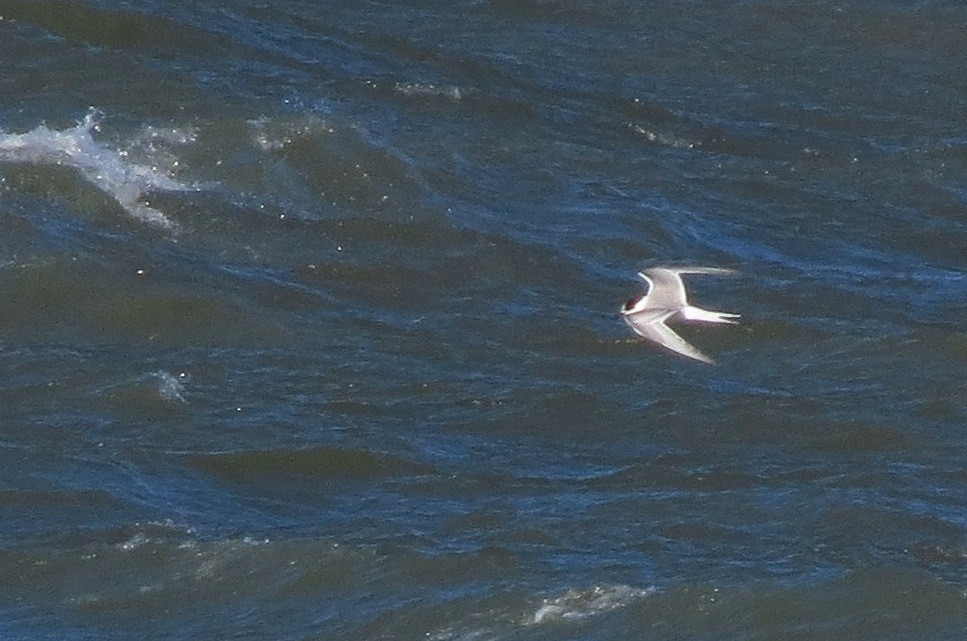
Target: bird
(665, 301)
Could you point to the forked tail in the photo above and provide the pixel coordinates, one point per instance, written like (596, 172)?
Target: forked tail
(699, 315)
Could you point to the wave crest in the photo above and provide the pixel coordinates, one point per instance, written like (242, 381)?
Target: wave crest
(107, 169)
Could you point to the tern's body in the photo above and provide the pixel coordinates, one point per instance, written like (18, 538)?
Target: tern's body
(667, 301)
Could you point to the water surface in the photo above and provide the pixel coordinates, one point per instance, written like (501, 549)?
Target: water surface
(309, 330)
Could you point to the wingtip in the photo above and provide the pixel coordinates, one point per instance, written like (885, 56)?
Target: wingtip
(705, 359)
(698, 269)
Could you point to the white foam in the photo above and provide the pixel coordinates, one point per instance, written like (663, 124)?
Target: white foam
(580, 604)
(107, 169)
(669, 140)
(574, 605)
(274, 135)
(170, 387)
(428, 90)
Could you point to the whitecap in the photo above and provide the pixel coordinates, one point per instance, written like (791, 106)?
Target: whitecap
(666, 139)
(171, 388)
(271, 135)
(575, 604)
(107, 169)
(428, 90)
(580, 604)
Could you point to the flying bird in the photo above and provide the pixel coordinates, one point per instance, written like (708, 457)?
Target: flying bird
(665, 301)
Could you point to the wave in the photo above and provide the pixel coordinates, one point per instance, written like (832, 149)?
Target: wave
(314, 462)
(109, 170)
(580, 604)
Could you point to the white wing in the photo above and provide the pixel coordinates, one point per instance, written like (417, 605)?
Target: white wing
(666, 289)
(652, 326)
(701, 270)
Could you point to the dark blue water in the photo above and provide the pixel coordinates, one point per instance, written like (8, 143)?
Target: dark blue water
(309, 320)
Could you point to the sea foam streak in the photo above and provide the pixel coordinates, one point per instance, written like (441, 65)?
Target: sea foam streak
(573, 605)
(107, 169)
(581, 604)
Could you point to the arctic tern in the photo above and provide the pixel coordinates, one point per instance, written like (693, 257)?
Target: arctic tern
(666, 301)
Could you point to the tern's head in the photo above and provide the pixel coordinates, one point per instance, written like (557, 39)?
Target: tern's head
(632, 304)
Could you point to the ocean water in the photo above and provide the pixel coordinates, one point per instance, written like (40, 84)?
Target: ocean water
(309, 320)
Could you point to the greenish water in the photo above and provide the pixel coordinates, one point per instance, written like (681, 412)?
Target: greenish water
(309, 320)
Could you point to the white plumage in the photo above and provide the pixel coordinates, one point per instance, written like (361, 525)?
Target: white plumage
(666, 301)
